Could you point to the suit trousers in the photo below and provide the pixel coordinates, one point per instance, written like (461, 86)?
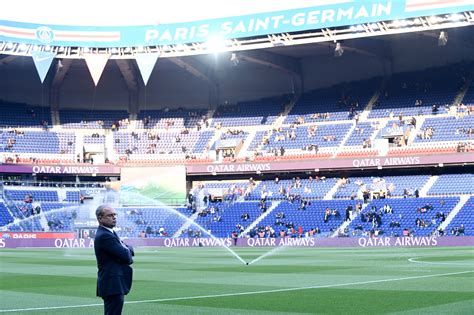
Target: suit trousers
(113, 304)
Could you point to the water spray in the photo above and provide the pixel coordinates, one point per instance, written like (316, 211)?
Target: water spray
(271, 252)
(187, 219)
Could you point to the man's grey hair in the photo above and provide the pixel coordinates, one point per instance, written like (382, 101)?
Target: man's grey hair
(100, 210)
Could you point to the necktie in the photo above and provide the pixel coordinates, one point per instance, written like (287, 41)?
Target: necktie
(122, 243)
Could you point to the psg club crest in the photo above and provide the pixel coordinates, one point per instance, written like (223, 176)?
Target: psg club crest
(44, 34)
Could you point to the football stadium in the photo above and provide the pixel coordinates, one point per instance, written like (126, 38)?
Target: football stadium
(254, 157)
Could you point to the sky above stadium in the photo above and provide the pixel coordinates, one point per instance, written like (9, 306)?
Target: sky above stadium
(142, 12)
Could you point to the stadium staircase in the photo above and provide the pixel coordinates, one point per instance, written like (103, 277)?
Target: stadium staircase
(243, 150)
(462, 201)
(212, 142)
(287, 110)
(383, 124)
(261, 217)
(79, 146)
(109, 152)
(281, 119)
(414, 132)
(343, 142)
(464, 89)
(133, 123)
(424, 190)
(55, 118)
(346, 223)
(365, 113)
(333, 190)
(210, 114)
(62, 196)
(132, 118)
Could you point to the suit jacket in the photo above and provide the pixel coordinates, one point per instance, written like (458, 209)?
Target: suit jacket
(113, 261)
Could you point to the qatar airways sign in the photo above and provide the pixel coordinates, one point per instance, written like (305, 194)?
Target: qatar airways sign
(363, 242)
(60, 169)
(388, 161)
(331, 164)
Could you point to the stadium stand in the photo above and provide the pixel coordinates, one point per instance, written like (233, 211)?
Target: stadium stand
(263, 112)
(453, 184)
(17, 115)
(463, 222)
(334, 122)
(407, 217)
(5, 216)
(419, 93)
(93, 119)
(340, 102)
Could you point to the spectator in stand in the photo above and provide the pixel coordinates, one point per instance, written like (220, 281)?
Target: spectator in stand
(366, 196)
(387, 209)
(235, 237)
(28, 198)
(300, 231)
(458, 231)
(303, 204)
(394, 223)
(327, 214)
(349, 210)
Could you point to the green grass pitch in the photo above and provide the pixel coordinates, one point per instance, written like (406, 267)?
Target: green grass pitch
(212, 281)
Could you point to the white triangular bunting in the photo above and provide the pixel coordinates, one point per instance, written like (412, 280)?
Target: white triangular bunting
(43, 60)
(96, 64)
(146, 63)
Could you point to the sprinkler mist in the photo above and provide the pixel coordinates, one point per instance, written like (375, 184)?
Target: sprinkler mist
(271, 252)
(86, 212)
(34, 222)
(162, 206)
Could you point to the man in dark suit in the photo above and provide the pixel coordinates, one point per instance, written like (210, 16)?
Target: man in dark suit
(113, 261)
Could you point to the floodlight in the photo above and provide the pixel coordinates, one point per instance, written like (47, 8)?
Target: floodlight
(338, 51)
(434, 19)
(215, 44)
(455, 17)
(234, 59)
(443, 38)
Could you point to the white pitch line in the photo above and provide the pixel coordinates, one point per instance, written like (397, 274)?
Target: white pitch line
(414, 260)
(242, 293)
